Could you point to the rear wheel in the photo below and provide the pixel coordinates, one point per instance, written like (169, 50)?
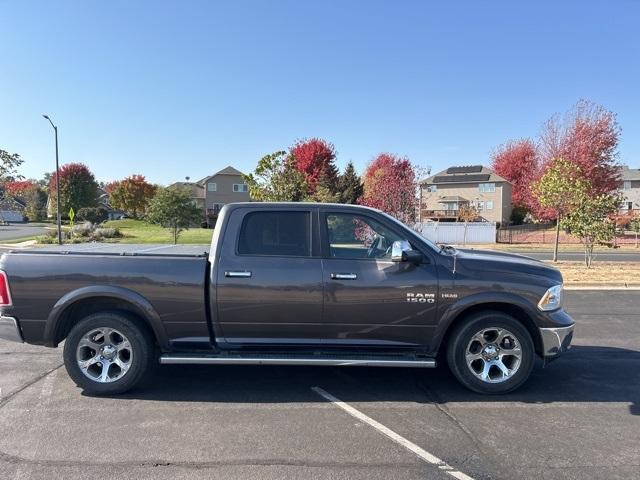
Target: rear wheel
(491, 352)
(108, 353)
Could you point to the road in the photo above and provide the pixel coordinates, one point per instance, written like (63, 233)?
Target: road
(18, 230)
(578, 418)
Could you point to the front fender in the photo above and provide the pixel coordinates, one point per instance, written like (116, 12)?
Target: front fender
(140, 305)
(454, 310)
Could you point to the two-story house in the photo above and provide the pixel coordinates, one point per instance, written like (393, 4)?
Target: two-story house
(629, 188)
(444, 194)
(212, 192)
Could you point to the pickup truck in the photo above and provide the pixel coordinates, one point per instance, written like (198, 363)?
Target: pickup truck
(287, 284)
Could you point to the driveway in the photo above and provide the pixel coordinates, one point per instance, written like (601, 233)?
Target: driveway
(578, 418)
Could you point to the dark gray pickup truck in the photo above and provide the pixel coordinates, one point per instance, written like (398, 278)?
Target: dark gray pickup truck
(288, 284)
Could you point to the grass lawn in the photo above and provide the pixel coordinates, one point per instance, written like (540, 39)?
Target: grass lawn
(137, 231)
(604, 273)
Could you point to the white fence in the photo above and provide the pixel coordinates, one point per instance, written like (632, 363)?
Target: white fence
(457, 232)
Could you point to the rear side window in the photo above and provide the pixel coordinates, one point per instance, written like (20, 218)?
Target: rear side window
(283, 234)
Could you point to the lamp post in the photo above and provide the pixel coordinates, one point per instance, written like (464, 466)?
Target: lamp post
(55, 129)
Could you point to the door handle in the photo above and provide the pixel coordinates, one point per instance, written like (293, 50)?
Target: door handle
(237, 274)
(343, 276)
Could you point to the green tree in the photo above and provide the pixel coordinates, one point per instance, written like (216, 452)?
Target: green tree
(350, 187)
(9, 163)
(173, 208)
(36, 202)
(592, 221)
(634, 226)
(561, 188)
(277, 179)
(326, 189)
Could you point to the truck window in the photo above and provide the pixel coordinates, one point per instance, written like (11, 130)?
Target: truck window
(282, 234)
(356, 236)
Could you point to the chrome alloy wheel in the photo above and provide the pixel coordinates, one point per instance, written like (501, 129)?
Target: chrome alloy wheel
(494, 355)
(104, 355)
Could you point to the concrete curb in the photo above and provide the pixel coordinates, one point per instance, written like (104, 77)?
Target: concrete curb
(604, 286)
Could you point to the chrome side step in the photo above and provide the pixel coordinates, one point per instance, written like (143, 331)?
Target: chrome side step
(361, 361)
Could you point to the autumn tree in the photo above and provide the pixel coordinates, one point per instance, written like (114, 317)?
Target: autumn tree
(315, 158)
(350, 186)
(586, 136)
(390, 185)
(173, 208)
(33, 196)
(276, 179)
(467, 213)
(131, 195)
(517, 161)
(634, 226)
(78, 188)
(560, 189)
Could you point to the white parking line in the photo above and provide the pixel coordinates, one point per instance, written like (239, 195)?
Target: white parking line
(399, 439)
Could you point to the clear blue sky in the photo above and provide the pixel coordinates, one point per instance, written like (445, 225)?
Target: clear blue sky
(170, 89)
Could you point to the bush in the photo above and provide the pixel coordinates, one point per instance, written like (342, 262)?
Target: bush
(93, 214)
(102, 233)
(50, 237)
(82, 230)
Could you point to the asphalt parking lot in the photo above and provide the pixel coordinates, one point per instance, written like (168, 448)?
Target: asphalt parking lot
(578, 418)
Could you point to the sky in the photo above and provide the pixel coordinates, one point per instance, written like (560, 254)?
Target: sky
(185, 88)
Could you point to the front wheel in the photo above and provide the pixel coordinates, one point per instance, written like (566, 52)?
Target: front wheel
(108, 353)
(491, 353)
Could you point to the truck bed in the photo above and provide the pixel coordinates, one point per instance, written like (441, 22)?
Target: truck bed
(133, 249)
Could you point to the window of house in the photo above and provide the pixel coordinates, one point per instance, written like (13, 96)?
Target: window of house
(480, 206)
(212, 187)
(282, 234)
(626, 185)
(489, 204)
(629, 205)
(486, 187)
(432, 188)
(359, 237)
(240, 187)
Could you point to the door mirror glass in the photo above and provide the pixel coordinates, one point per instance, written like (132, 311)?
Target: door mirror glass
(399, 249)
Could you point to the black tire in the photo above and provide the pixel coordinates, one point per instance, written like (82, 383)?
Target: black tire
(462, 338)
(141, 353)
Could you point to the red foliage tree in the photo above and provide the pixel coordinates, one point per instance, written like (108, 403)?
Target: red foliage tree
(132, 194)
(588, 137)
(390, 185)
(18, 188)
(315, 158)
(517, 161)
(78, 188)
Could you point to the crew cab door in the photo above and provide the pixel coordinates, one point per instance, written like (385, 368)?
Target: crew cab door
(269, 278)
(370, 299)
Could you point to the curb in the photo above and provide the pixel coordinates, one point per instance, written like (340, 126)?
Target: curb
(604, 286)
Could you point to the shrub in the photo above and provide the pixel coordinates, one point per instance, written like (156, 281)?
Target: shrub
(82, 230)
(101, 233)
(93, 214)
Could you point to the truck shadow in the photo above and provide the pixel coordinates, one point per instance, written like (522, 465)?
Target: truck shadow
(584, 374)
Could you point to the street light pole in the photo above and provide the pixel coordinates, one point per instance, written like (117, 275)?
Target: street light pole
(55, 129)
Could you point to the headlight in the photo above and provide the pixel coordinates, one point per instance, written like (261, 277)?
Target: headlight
(552, 299)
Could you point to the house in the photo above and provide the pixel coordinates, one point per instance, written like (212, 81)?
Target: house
(445, 194)
(212, 192)
(629, 188)
(12, 210)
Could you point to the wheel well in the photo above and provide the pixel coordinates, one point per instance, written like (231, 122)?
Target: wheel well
(516, 312)
(87, 306)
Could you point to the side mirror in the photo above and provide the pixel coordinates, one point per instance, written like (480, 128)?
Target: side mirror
(401, 252)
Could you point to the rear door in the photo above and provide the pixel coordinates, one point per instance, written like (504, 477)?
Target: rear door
(370, 300)
(269, 277)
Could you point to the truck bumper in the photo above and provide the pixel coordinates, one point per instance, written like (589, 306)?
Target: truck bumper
(9, 329)
(555, 341)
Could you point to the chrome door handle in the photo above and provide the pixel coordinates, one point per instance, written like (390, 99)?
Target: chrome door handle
(343, 276)
(237, 274)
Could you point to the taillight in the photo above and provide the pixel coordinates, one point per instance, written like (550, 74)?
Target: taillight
(5, 294)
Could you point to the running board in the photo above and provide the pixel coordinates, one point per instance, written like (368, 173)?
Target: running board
(289, 359)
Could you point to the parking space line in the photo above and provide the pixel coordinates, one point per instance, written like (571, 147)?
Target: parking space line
(399, 439)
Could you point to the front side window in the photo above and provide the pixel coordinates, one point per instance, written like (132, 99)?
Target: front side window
(486, 187)
(489, 204)
(627, 185)
(212, 187)
(432, 188)
(240, 187)
(282, 234)
(359, 237)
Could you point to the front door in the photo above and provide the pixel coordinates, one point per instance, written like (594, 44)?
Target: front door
(369, 299)
(269, 279)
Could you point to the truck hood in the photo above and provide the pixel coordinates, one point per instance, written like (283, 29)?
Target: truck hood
(491, 260)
